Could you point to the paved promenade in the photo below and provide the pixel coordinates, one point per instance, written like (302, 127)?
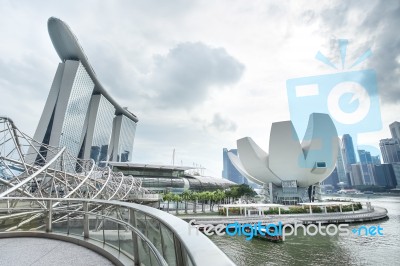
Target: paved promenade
(22, 251)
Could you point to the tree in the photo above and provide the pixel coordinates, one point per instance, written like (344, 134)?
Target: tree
(228, 194)
(239, 191)
(167, 197)
(219, 196)
(194, 196)
(177, 199)
(186, 196)
(202, 197)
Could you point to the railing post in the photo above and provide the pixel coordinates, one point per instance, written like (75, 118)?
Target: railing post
(132, 221)
(49, 217)
(85, 220)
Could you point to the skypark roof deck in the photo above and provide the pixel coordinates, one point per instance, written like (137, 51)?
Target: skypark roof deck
(68, 48)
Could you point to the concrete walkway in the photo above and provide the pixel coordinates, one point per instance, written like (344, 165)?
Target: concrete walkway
(23, 251)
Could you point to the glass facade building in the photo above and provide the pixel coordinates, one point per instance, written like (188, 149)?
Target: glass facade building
(395, 130)
(349, 155)
(385, 176)
(122, 139)
(98, 135)
(76, 110)
(341, 171)
(390, 149)
(367, 168)
(79, 114)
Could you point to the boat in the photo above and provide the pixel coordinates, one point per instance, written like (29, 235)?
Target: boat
(368, 192)
(268, 237)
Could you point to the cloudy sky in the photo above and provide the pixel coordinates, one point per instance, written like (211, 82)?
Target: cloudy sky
(198, 74)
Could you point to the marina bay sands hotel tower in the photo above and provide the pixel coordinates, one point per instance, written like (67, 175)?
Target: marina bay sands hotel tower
(79, 113)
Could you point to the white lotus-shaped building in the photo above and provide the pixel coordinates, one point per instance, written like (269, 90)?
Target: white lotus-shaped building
(290, 166)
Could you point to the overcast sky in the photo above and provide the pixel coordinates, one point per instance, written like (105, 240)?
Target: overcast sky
(198, 74)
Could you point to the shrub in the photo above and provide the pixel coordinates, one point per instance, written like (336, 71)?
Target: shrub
(333, 209)
(296, 209)
(316, 209)
(272, 211)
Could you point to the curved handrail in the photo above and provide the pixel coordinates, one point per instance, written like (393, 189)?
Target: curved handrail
(199, 248)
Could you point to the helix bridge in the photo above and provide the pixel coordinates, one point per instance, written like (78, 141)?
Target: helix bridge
(30, 169)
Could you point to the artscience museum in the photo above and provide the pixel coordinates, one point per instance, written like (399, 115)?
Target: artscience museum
(291, 171)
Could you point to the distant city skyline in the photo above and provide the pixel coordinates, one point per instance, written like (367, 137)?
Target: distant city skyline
(366, 169)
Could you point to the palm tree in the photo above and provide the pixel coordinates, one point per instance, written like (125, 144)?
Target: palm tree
(228, 194)
(186, 196)
(177, 198)
(194, 197)
(219, 196)
(202, 197)
(211, 196)
(167, 197)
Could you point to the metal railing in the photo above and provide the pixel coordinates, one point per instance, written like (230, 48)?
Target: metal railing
(141, 234)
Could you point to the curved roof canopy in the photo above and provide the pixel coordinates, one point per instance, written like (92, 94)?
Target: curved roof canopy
(68, 48)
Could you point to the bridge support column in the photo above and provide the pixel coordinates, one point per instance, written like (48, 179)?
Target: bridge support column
(49, 218)
(86, 220)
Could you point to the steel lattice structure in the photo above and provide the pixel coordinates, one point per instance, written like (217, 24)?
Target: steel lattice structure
(32, 169)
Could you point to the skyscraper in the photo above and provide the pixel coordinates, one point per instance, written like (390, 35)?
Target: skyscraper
(385, 176)
(395, 130)
(340, 168)
(229, 171)
(356, 174)
(332, 179)
(349, 157)
(376, 159)
(79, 114)
(390, 150)
(396, 170)
(367, 169)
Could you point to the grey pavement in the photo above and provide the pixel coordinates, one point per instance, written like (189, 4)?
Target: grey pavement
(33, 251)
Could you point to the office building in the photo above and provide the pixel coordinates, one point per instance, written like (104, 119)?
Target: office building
(332, 180)
(340, 168)
(385, 176)
(356, 174)
(395, 130)
(396, 170)
(367, 169)
(349, 156)
(390, 150)
(376, 160)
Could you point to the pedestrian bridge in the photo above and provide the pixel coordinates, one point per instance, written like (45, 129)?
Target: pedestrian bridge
(45, 192)
(124, 233)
